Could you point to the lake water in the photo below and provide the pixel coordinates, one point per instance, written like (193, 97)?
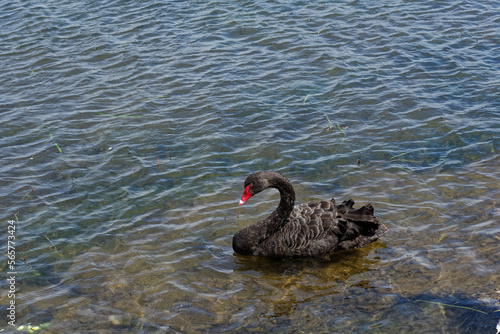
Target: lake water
(128, 128)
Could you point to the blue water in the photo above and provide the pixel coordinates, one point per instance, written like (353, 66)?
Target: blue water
(128, 129)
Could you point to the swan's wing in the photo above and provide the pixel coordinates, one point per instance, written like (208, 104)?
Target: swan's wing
(307, 232)
(319, 228)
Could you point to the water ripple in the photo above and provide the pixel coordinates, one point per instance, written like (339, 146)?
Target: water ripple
(128, 129)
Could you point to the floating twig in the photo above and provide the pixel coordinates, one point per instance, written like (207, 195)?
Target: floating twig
(51, 243)
(398, 155)
(55, 249)
(153, 98)
(28, 193)
(307, 96)
(52, 138)
(330, 125)
(456, 306)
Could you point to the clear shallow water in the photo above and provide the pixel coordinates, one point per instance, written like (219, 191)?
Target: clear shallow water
(129, 128)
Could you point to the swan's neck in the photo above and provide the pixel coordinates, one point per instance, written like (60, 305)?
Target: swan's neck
(277, 219)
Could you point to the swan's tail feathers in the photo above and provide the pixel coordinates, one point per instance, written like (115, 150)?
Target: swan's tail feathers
(361, 227)
(363, 214)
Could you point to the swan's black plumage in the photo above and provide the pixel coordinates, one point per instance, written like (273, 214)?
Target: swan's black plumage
(309, 229)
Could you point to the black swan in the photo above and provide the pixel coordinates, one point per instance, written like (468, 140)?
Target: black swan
(311, 229)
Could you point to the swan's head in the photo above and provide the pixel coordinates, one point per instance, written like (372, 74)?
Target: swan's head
(257, 182)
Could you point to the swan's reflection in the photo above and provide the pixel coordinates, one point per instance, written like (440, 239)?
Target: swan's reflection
(284, 284)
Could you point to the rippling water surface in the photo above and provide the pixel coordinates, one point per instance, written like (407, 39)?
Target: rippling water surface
(128, 129)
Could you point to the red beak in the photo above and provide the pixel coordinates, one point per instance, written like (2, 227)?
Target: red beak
(246, 195)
